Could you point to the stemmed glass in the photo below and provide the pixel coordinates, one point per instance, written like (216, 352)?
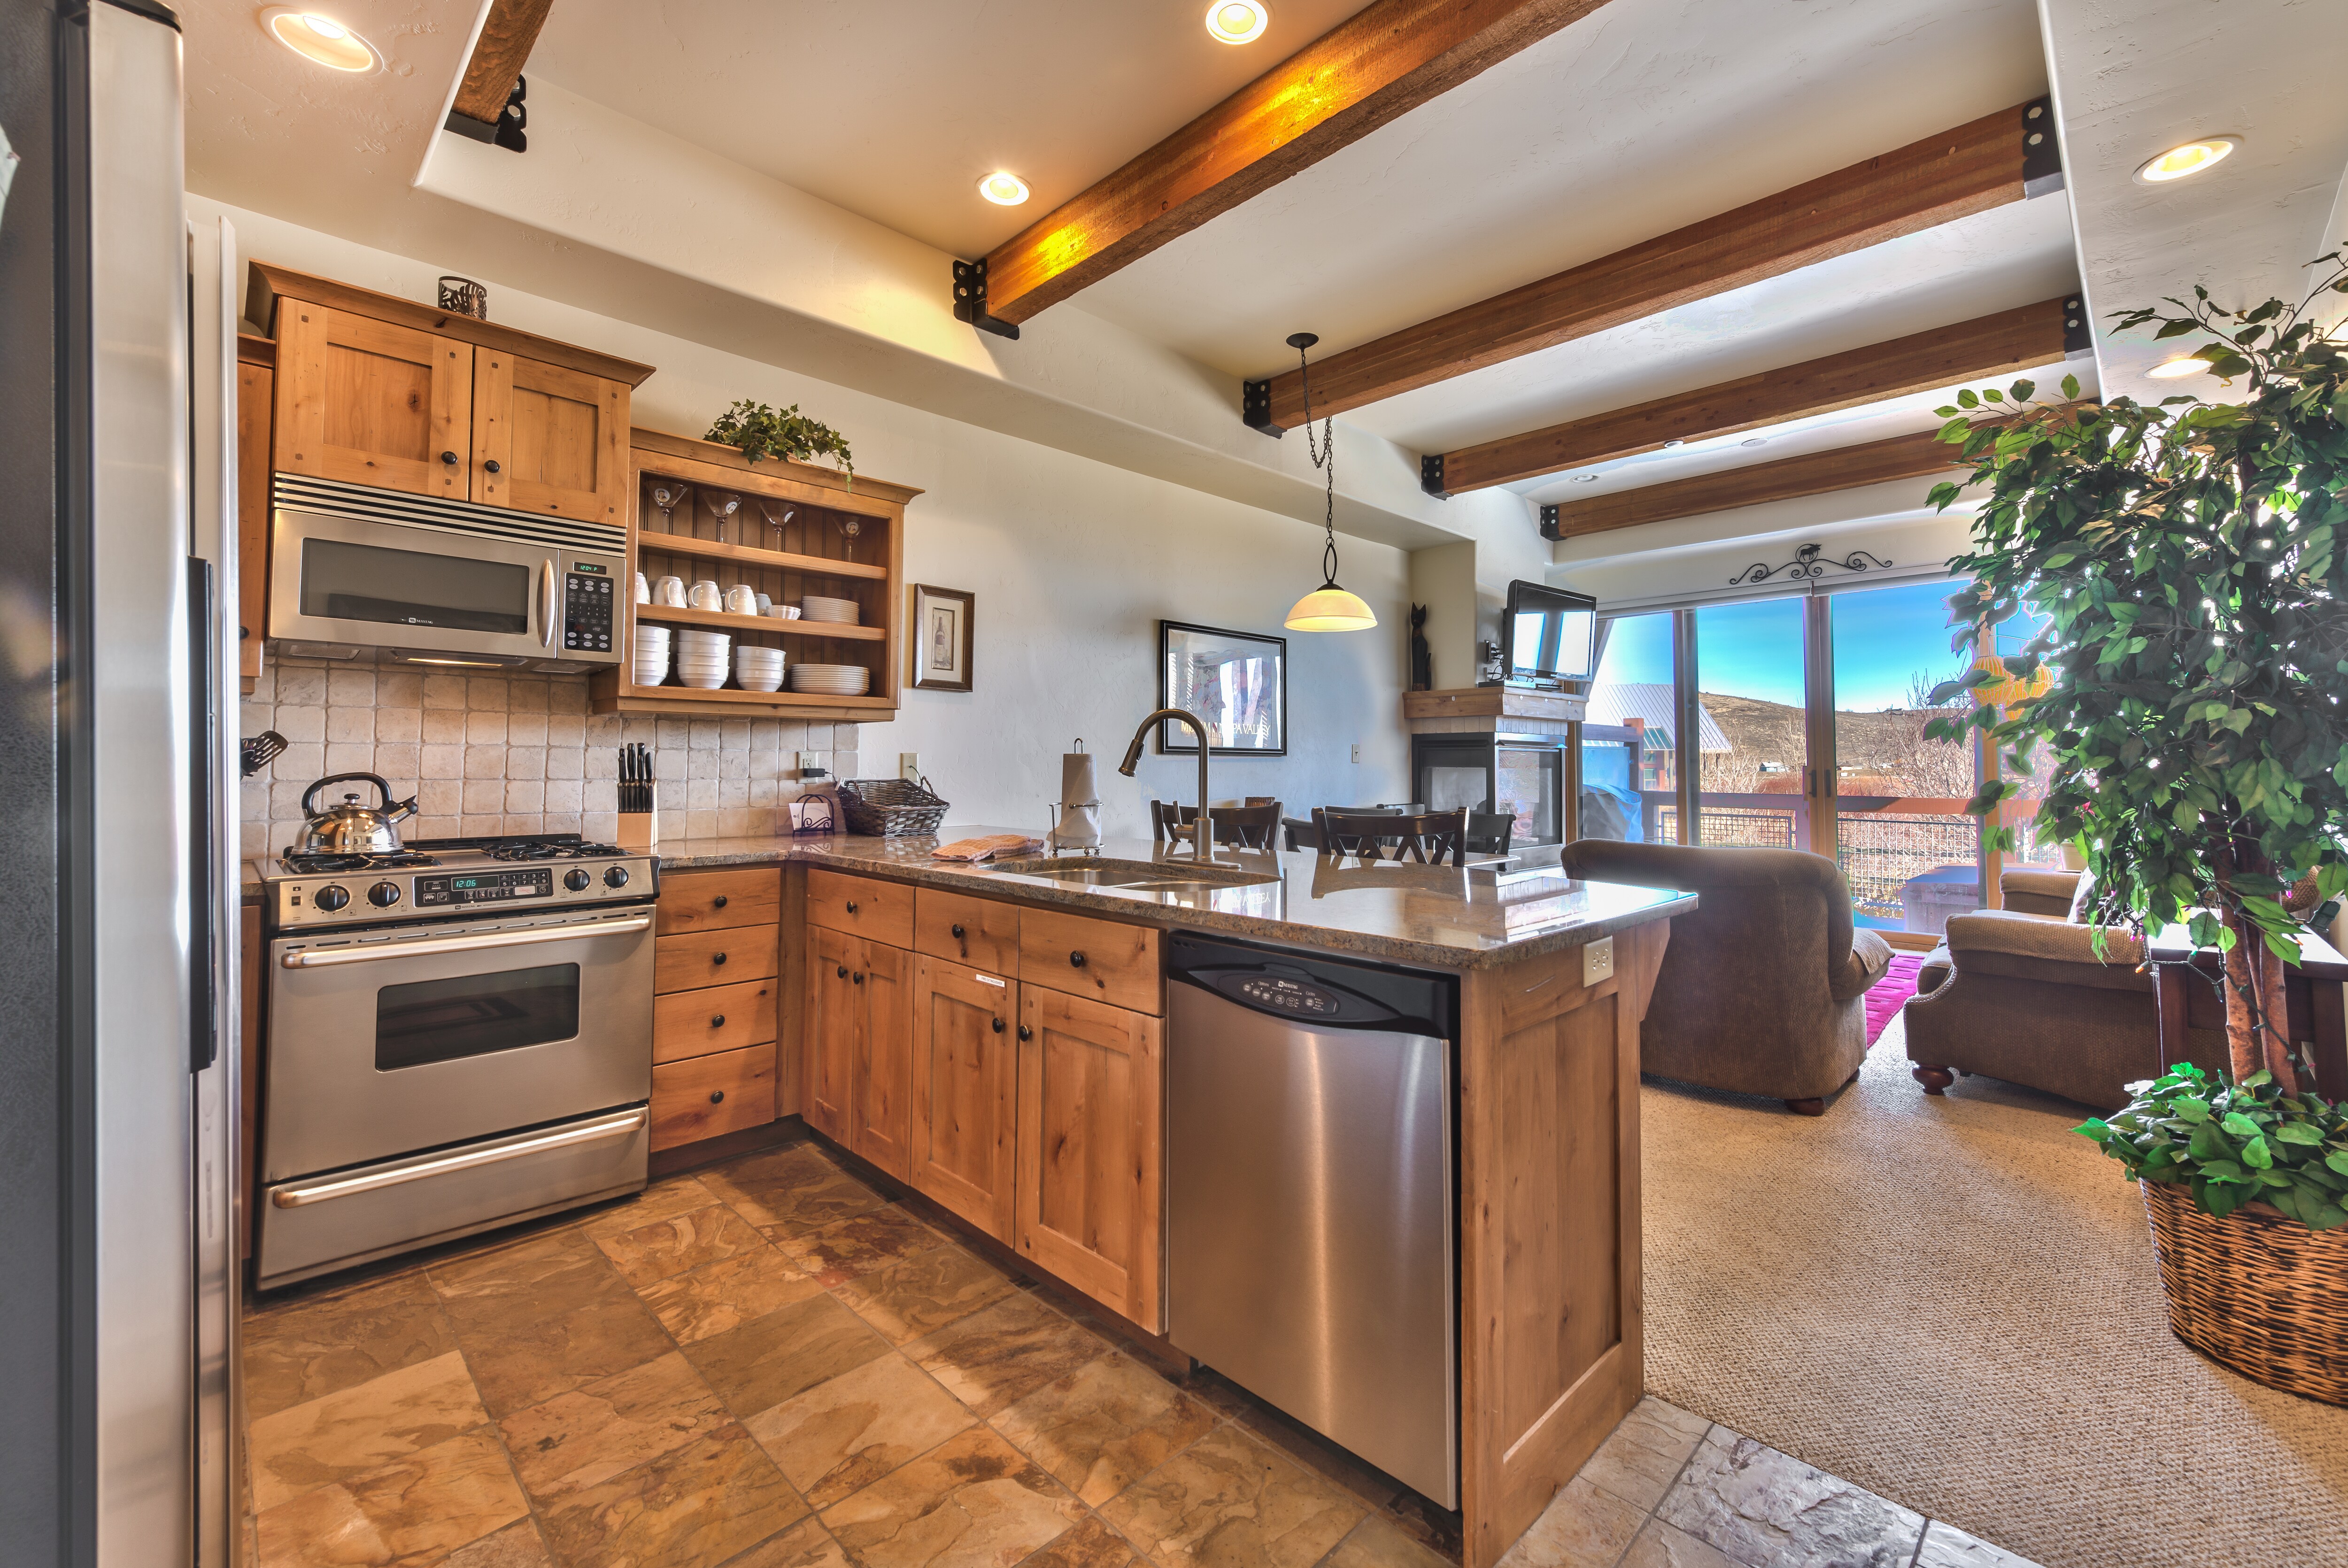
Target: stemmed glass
(722, 508)
(667, 494)
(776, 523)
(849, 527)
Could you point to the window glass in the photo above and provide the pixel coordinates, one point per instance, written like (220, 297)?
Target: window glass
(1628, 771)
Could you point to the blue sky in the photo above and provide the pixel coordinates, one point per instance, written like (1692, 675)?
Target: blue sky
(1881, 638)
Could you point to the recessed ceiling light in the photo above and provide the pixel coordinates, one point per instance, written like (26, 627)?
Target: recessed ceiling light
(2169, 370)
(1584, 479)
(1754, 442)
(2191, 157)
(1004, 190)
(1236, 21)
(1675, 441)
(320, 40)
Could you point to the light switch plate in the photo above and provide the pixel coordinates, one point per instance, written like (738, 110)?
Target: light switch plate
(1358, 751)
(909, 767)
(1598, 961)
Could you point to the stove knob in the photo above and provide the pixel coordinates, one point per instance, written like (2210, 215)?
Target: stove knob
(576, 879)
(616, 877)
(331, 898)
(384, 894)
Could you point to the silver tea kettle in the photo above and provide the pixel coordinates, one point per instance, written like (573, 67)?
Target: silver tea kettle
(351, 828)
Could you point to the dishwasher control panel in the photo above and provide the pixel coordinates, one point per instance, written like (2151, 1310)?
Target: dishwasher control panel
(1301, 997)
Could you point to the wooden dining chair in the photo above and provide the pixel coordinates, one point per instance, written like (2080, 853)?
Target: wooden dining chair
(1296, 834)
(1489, 832)
(1251, 827)
(1426, 837)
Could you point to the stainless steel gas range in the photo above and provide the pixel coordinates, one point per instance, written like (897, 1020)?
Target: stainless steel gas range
(458, 1036)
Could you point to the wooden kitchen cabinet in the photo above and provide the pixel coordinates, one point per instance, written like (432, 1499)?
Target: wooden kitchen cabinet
(966, 1084)
(698, 958)
(372, 402)
(1099, 959)
(858, 1045)
(705, 1097)
(1091, 1101)
(714, 994)
(549, 440)
(256, 381)
(718, 901)
(716, 1018)
(981, 933)
(834, 1015)
(862, 905)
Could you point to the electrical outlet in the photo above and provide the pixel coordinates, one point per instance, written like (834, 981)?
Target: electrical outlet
(909, 767)
(1598, 961)
(811, 765)
(1358, 751)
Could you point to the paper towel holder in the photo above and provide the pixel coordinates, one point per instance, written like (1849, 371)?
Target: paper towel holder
(1054, 848)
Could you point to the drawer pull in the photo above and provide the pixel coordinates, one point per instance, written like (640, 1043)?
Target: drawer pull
(849, 906)
(717, 958)
(998, 1026)
(843, 972)
(717, 1097)
(717, 1020)
(859, 977)
(719, 903)
(1076, 960)
(957, 932)
(1025, 1033)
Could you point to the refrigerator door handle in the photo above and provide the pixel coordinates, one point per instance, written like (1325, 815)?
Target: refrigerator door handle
(203, 749)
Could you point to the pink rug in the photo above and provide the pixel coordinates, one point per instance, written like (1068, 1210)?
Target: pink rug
(1889, 995)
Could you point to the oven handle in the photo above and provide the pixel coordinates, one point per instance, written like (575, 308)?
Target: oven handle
(546, 604)
(592, 1132)
(319, 958)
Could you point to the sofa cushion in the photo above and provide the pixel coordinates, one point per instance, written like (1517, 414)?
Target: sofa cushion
(2036, 890)
(1934, 971)
(1999, 942)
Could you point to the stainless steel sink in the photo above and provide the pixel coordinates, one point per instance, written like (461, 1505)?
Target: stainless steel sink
(1136, 875)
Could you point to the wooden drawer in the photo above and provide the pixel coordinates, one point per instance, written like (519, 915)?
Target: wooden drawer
(699, 958)
(880, 910)
(705, 1096)
(1095, 958)
(718, 1019)
(712, 901)
(978, 931)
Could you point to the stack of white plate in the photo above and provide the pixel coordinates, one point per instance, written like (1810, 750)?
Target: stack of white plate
(701, 658)
(756, 668)
(652, 654)
(841, 611)
(835, 680)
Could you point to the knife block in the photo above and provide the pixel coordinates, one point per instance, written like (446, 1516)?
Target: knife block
(635, 830)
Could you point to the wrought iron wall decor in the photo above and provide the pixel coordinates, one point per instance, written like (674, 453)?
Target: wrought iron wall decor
(1809, 560)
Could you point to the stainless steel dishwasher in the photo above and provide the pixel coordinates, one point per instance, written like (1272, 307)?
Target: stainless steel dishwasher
(1310, 1251)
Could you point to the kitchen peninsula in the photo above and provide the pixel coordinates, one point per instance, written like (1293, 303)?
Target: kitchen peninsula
(896, 1009)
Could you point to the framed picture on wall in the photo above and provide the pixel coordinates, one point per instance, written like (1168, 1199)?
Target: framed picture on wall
(940, 640)
(1235, 682)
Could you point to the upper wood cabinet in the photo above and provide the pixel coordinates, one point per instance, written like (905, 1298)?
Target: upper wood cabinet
(378, 390)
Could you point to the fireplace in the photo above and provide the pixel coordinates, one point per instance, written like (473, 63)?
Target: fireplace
(1522, 775)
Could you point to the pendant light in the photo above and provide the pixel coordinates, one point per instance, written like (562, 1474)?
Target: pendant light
(1327, 608)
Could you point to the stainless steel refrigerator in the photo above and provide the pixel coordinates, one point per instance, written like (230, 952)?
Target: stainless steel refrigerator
(118, 915)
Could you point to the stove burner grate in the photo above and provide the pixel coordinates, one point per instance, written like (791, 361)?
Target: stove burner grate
(541, 849)
(328, 864)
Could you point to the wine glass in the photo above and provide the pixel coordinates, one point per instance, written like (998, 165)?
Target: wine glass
(667, 495)
(849, 527)
(722, 508)
(776, 523)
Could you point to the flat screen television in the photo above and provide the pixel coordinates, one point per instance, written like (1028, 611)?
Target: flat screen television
(1549, 634)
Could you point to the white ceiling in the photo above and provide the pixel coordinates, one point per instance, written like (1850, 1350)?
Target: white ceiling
(895, 108)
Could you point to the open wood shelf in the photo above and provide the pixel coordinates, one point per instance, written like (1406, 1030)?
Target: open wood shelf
(725, 620)
(773, 559)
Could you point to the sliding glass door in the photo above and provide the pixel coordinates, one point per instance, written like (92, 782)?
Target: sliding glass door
(1752, 726)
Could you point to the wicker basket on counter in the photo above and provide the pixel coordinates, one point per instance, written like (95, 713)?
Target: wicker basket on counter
(2255, 1291)
(891, 808)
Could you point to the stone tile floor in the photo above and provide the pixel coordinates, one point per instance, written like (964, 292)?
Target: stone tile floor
(771, 1364)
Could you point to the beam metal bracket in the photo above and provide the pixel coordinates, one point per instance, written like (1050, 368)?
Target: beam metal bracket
(1255, 407)
(2078, 337)
(2042, 153)
(969, 300)
(510, 128)
(1430, 476)
(1548, 528)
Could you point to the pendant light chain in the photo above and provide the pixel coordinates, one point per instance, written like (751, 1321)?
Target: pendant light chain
(1325, 458)
(1328, 608)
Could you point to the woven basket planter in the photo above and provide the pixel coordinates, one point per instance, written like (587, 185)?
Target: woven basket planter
(2256, 1291)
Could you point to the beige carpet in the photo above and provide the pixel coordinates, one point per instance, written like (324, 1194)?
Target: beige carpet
(1954, 1303)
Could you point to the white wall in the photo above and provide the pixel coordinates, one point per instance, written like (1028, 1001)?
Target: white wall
(1072, 563)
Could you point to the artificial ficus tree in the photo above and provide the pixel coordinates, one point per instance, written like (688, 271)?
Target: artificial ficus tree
(2190, 562)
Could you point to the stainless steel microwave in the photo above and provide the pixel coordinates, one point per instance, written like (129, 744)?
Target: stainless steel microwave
(353, 567)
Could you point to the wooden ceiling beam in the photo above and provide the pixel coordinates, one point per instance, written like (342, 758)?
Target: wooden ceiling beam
(1787, 478)
(1969, 168)
(1988, 346)
(508, 35)
(1387, 59)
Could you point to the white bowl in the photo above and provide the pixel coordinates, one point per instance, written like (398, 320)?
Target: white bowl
(688, 667)
(653, 632)
(746, 658)
(693, 637)
(708, 680)
(751, 681)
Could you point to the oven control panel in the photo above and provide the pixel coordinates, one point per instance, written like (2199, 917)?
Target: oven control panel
(484, 887)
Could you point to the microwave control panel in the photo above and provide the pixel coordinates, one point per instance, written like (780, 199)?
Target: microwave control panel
(587, 608)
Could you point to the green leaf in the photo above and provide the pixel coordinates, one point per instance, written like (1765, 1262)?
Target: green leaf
(2338, 1161)
(2070, 387)
(1966, 399)
(2237, 1124)
(2256, 1154)
(2024, 391)
(2190, 1108)
(2300, 1132)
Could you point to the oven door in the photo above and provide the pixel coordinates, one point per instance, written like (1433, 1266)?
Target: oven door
(351, 580)
(394, 1043)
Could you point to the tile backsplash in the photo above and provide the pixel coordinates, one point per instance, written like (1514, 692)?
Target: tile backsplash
(497, 753)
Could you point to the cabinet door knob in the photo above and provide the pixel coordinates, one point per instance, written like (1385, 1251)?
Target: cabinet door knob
(1075, 961)
(843, 972)
(719, 903)
(450, 459)
(717, 1097)
(717, 1020)
(998, 1026)
(719, 958)
(957, 934)
(859, 977)
(849, 906)
(490, 466)
(1025, 1033)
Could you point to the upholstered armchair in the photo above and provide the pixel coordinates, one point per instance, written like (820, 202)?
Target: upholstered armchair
(1764, 989)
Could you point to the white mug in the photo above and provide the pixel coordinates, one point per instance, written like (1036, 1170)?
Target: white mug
(764, 604)
(742, 600)
(644, 590)
(672, 592)
(705, 596)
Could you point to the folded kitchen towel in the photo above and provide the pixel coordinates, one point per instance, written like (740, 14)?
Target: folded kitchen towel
(986, 848)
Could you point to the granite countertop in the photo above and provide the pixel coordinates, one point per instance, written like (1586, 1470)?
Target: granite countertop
(1446, 916)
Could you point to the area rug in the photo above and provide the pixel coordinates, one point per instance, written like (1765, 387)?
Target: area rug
(1953, 1302)
(1889, 995)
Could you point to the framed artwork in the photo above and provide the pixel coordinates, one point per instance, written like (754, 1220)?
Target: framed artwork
(941, 642)
(1235, 682)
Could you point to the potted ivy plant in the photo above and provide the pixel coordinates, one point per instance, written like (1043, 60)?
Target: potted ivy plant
(757, 431)
(2189, 560)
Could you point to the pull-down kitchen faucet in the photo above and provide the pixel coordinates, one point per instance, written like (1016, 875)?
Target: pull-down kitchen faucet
(1203, 843)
